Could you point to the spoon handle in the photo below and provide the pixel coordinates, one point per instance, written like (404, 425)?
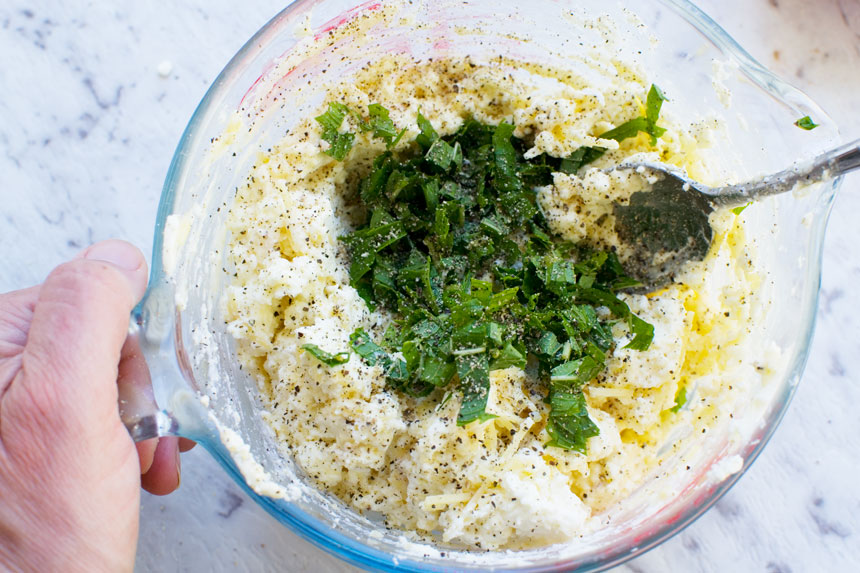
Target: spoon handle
(847, 158)
(826, 166)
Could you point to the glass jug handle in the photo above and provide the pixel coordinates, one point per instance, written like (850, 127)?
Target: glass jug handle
(138, 408)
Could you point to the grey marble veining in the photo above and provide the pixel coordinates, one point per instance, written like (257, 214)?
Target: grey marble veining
(95, 97)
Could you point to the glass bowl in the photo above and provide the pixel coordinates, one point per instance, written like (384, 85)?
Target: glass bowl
(202, 393)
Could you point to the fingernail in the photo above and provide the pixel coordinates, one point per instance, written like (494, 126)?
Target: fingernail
(118, 253)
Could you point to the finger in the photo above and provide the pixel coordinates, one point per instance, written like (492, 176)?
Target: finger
(16, 313)
(163, 477)
(146, 454)
(126, 258)
(134, 384)
(136, 400)
(185, 444)
(79, 325)
(146, 451)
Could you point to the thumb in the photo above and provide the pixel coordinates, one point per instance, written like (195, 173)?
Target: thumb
(79, 325)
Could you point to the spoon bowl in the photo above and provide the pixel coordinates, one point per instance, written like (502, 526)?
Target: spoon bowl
(667, 224)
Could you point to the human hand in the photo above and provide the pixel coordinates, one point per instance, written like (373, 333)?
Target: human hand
(70, 475)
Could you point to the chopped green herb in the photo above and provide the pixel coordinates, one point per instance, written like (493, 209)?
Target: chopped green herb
(680, 399)
(806, 123)
(508, 357)
(506, 177)
(428, 135)
(643, 333)
(654, 104)
(646, 124)
(325, 357)
(581, 157)
(474, 373)
(340, 144)
(741, 209)
(333, 118)
(381, 125)
(569, 426)
(627, 129)
(443, 155)
(455, 248)
(575, 374)
(378, 122)
(366, 348)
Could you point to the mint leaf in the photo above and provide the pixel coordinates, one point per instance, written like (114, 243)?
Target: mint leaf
(436, 370)
(502, 299)
(381, 125)
(442, 155)
(325, 357)
(366, 243)
(371, 352)
(333, 118)
(652, 113)
(806, 123)
(428, 135)
(680, 400)
(646, 124)
(508, 357)
(474, 373)
(340, 144)
(627, 129)
(569, 426)
(643, 334)
(741, 209)
(573, 375)
(548, 345)
(654, 104)
(580, 158)
(505, 159)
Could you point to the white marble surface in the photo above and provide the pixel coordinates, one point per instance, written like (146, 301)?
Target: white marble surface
(87, 129)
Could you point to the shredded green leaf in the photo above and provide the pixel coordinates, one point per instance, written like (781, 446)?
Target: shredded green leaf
(325, 357)
(741, 209)
(428, 134)
(645, 124)
(474, 374)
(569, 426)
(333, 118)
(506, 177)
(580, 158)
(806, 123)
(654, 104)
(340, 144)
(380, 123)
(366, 348)
(680, 399)
(455, 248)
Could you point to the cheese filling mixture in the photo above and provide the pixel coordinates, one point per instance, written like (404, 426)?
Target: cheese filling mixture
(501, 478)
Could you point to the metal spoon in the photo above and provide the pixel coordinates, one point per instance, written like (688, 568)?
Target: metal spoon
(667, 225)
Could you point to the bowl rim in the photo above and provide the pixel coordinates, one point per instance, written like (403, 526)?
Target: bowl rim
(356, 552)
